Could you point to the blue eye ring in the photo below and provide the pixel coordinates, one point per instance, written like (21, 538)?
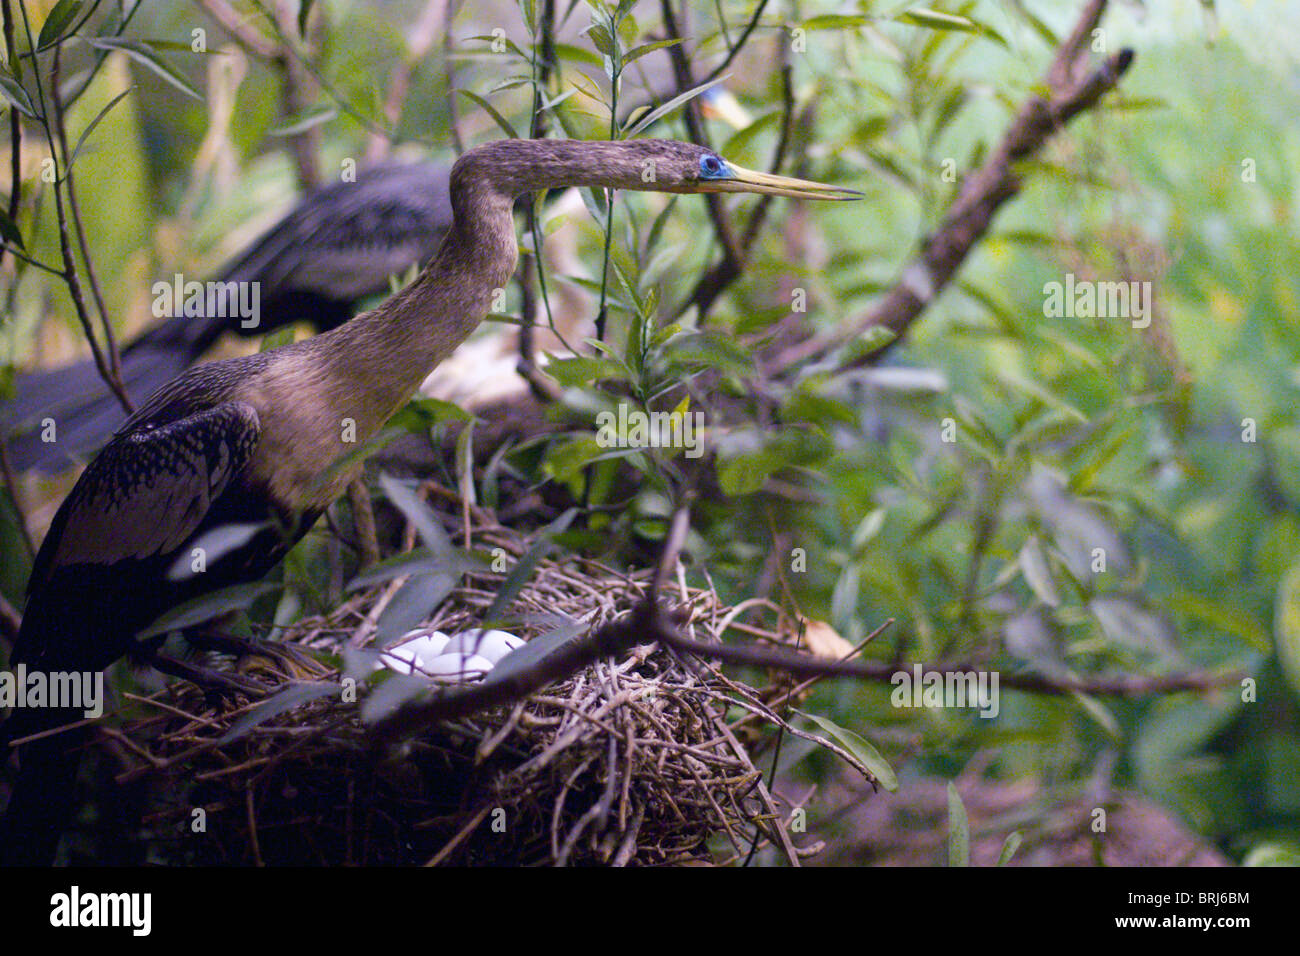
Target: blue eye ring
(713, 167)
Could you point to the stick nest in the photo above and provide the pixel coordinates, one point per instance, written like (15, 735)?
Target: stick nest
(643, 760)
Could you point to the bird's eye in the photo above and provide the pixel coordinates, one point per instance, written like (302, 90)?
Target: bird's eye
(711, 166)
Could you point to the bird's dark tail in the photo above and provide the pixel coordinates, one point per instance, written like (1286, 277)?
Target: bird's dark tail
(78, 404)
(43, 798)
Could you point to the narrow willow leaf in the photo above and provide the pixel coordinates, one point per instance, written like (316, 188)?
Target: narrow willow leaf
(958, 830)
(208, 606)
(860, 747)
(523, 570)
(492, 111)
(57, 23)
(81, 140)
(148, 57)
(421, 516)
(1009, 847)
(292, 696)
(17, 96)
(1037, 572)
(9, 231)
(670, 106)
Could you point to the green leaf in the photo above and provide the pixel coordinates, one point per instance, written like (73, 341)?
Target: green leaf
(278, 338)
(601, 39)
(934, 20)
(414, 602)
(60, 18)
(420, 515)
(417, 561)
(1286, 627)
(304, 11)
(305, 122)
(290, 697)
(570, 456)
(958, 829)
(567, 51)
(9, 231)
(95, 122)
(16, 95)
(491, 111)
(1009, 847)
(524, 659)
(836, 21)
(670, 106)
(867, 530)
(860, 747)
(147, 56)
(583, 370)
(645, 48)
(1273, 854)
(465, 465)
(523, 569)
(208, 606)
(1037, 572)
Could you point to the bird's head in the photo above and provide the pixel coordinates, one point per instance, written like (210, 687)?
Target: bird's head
(516, 166)
(688, 168)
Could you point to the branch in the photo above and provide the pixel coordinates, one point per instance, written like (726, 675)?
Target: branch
(682, 72)
(11, 480)
(15, 127)
(74, 205)
(251, 39)
(418, 43)
(304, 145)
(980, 197)
(108, 369)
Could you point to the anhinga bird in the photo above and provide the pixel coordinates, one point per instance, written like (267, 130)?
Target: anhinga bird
(258, 440)
(338, 245)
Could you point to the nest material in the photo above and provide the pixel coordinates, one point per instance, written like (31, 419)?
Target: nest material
(645, 760)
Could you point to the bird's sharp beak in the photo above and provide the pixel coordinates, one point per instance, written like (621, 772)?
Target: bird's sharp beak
(744, 180)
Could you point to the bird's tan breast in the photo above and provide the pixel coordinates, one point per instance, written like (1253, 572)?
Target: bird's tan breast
(313, 424)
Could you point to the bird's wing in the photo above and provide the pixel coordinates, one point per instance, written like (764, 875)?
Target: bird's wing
(149, 489)
(344, 240)
(391, 216)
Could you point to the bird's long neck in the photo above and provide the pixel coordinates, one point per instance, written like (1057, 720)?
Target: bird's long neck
(357, 376)
(383, 356)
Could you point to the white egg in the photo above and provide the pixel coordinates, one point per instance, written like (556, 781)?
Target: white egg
(419, 651)
(471, 667)
(493, 645)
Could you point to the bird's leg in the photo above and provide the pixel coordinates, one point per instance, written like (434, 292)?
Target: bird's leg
(207, 678)
(296, 662)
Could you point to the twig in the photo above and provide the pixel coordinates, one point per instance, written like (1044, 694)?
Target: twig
(304, 145)
(74, 205)
(15, 127)
(70, 274)
(11, 481)
(981, 195)
(418, 43)
(682, 71)
(363, 519)
(716, 280)
(453, 112)
(252, 40)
